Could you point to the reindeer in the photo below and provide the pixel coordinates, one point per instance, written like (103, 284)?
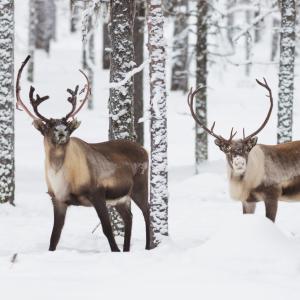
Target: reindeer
(258, 172)
(79, 173)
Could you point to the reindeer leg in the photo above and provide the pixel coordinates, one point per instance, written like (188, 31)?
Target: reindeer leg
(271, 209)
(59, 210)
(139, 195)
(125, 212)
(98, 202)
(249, 208)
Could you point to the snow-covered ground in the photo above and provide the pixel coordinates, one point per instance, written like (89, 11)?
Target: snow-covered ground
(213, 252)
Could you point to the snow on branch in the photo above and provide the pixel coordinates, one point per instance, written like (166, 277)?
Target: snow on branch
(115, 85)
(254, 22)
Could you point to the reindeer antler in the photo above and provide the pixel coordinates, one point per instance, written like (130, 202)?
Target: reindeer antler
(35, 102)
(87, 87)
(266, 86)
(194, 115)
(72, 100)
(211, 132)
(19, 102)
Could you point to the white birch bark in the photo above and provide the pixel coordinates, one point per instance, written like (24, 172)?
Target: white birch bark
(158, 108)
(7, 165)
(286, 71)
(201, 142)
(121, 114)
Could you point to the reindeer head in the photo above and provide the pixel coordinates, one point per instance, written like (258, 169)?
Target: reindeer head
(56, 131)
(236, 151)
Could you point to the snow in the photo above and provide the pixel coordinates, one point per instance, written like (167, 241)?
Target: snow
(213, 252)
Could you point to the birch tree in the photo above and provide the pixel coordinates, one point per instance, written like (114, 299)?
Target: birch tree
(31, 39)
(74, 12)
(286, 71)
(45, 10)
(121, 115)
(248, 42)
(201, 143)
(88, 44)
(275, 31)
(230, 20)
(138, 94)
(158, 123)
(179, 79)
(7, 165)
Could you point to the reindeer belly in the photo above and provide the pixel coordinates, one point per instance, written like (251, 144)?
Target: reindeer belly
(291, 190)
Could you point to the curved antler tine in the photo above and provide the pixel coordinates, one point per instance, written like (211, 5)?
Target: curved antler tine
(195, 117)
(19, 103)
(88, 92)
(73, 100)
(232, 135)
(36, 102)
(266, 86)
(213, 126)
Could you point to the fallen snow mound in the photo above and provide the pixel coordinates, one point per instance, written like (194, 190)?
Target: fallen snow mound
(250, 236)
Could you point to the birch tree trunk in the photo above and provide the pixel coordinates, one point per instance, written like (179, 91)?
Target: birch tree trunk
(31, 39)
(201, 145)
(121, 114)
(74, 16)
(158, 123)
(286, 71)
(179, 79)
(275, 32)
(90, 60)
(7, 164)
(230, 21)
(275, 37)
(248, 42)
(45, 22)
(138, 91)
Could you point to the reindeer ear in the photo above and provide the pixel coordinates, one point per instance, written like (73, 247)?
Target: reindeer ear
(40, 126)
(219, 143)
(251, 143)
(224, 147)
(73, 125)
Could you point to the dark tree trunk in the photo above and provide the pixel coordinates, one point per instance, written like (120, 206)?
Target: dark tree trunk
(201, 152)
(286, 71)
(179, 80)
(158, 123)
(138, 91)
(121, 112)
(106, 47)
(7, 180)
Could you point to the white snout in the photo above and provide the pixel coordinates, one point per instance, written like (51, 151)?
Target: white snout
(239, 165)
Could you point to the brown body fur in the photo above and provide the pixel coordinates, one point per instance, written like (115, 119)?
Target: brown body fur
(115, 171)
(273, 173)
